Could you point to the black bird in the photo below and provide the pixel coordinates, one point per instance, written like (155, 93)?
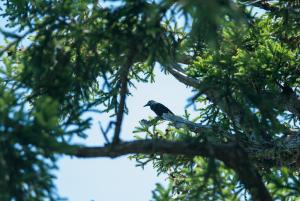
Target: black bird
(158, 108)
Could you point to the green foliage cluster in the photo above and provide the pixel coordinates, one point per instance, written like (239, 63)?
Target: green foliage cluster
(74, 61)
(27, 139)
(191, 178)
(252, 67)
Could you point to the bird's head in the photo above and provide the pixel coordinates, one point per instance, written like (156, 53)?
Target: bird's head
(151, 102)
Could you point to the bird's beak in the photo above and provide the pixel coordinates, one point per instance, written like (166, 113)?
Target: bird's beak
(146, 105)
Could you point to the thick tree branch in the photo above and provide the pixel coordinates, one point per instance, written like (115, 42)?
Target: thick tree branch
(282, 153)
(231, 154)
(153, 146)
(249, 176)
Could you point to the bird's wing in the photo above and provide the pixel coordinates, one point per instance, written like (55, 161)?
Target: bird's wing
(164, 109)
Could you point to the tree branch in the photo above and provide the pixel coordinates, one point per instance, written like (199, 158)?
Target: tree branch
(180, 122)
(182, 77)
(243, 117)
(151, 147)
(282, 153)
(15, 42)
(231, 154)
(123, 91)
(263, 4)
(229, 106)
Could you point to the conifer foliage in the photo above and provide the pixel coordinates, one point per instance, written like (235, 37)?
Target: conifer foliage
(240, 58)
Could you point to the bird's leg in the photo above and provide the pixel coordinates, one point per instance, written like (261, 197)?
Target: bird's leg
(155, 136)
(155, 120)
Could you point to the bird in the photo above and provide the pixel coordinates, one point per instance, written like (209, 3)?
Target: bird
(158, 108)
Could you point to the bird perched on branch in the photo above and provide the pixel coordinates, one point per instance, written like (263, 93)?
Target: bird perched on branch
(158, 108)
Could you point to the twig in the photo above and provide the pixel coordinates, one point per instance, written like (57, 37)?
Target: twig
(105, 131)
(16, 42)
